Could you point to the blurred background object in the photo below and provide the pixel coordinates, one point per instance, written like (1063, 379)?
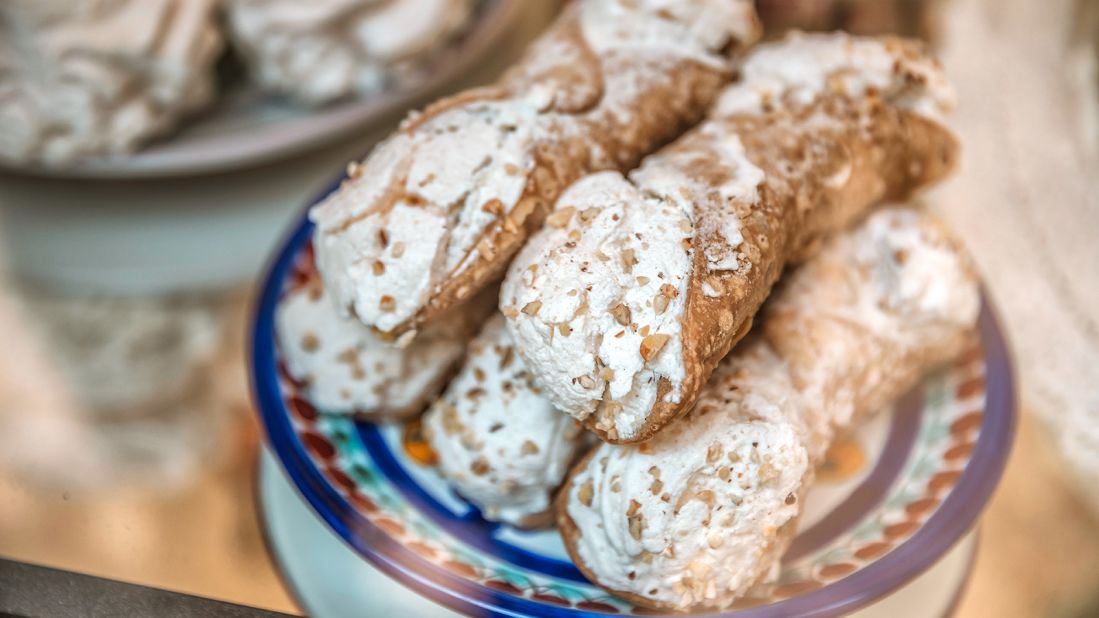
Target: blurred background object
(323, 50)
(1027, 200)
(100, 77)
(127, 443)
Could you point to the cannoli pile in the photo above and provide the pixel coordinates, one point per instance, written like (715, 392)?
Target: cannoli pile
(663, 269)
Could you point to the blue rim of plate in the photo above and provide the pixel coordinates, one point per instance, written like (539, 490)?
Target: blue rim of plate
(955, 516)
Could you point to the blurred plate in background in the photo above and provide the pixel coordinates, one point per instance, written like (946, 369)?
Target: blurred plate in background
(247, 127)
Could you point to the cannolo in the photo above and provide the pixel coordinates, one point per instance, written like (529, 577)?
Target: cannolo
(323, 50)
(500, 443)
(343, 367)
(435, 212)
(623, 304)
(100, 78)
(702, 512)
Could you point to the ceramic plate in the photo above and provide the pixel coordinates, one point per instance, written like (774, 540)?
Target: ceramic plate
(891, 499)
(248, 127)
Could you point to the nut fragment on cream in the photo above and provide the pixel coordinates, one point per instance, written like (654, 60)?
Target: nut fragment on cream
(101, 77)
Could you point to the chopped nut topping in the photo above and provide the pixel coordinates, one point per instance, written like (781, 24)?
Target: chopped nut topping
(707, 497)
(637, 524)
(629, 260)
(669, 290)
(586, 382)
(494, 206)
(656, 487)
(479, 374)
(643, 280)
(607, 374)
(387, 303)
(660, 304)
(560, 217)
(611, 408)
(510, 312)
(470, 442)
(379, 268)
(621, 314)
(529, 448)
(404, 340)
(652, 344)
(506, 357)
(532, 307)
(398, 249)
(383, 238)
(714, 452)
(479, 467)
(588, 214)
(565, 329)
(310, 342)
(585, 493)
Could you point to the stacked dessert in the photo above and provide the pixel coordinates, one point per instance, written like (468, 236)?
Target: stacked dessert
(614, 215)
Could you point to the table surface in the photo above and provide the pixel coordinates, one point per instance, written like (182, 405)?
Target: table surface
(184, 519)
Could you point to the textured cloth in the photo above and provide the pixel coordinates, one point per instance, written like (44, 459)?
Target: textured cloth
(1027, 199)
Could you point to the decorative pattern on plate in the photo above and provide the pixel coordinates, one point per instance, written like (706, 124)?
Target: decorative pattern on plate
(932, 468)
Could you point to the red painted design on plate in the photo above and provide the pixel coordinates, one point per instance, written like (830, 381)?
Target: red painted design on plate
(871, 551)
(393, 527)
(318, 445)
